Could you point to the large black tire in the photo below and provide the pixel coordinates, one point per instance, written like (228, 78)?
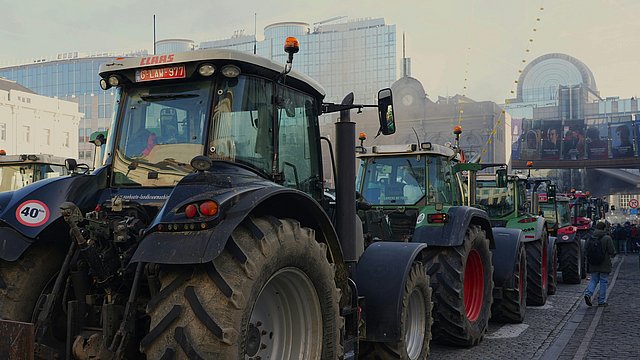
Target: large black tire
(552, 272)
(462, 283)
(415, 300)
(512, 307)
(537, 272)
(271, 294)
(584, 270)
(571, 263)
(22, 281)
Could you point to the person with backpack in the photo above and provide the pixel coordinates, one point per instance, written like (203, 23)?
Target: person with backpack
(600, 250)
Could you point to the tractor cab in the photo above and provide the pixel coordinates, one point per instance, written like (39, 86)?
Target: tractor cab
(506, 206)
(18, 171)
(401, 182)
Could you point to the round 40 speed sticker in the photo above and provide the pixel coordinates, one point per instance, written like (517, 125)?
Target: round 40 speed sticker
(32, 213)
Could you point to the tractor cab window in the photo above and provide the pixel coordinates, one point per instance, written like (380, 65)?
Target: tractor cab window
(242, 122)
(298, 141)
(393, 180)
(549, 212)
(440, 181)
(498, 202)
(161, 130)
(564, 213)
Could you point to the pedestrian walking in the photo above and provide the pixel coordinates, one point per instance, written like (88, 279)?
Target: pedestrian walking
(600, 250)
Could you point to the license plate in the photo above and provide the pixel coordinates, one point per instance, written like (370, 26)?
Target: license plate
(173, 72)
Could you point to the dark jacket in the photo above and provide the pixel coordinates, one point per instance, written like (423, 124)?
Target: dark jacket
(609, 250)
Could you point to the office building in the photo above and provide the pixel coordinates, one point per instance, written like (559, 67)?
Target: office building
(35, 124)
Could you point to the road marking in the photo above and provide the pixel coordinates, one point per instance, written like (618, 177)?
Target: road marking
(581, 353)
(508, 331)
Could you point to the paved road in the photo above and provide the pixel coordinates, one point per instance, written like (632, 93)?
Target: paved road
(566, 328)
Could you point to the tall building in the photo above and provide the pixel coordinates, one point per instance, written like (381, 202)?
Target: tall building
(560, 121)
(72, 77)
(356, 56)
(35, 124)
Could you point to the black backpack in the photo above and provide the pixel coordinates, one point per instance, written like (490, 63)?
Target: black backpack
(595, 250)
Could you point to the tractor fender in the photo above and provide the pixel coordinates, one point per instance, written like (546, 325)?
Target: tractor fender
(538, 228)
(566, 238)
(236, 204)
(380, 278)
(505, 256)
(19, 229)
(453, 232)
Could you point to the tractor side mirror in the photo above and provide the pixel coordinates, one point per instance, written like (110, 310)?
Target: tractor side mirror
(70, 164)
(501, 178)
(385, 112)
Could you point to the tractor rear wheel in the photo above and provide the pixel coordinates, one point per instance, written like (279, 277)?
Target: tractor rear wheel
(462, 283)
(553, 271)
(512, 307)
(270, 294)
(537, 272)
(416, 323)
(22, 281)
(571, 263)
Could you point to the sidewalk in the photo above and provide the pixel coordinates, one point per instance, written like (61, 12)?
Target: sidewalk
(610, 332)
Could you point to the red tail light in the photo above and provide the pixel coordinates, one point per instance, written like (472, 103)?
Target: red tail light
(438, 218)
(527, 220)
(209, 208)
(191, 211)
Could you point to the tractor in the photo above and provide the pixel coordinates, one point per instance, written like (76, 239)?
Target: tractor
(508, 207)
(18, 171)
(204, 234)
(413, 194)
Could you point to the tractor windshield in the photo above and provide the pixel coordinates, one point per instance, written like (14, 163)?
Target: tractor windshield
(161, 130)
(497, 202)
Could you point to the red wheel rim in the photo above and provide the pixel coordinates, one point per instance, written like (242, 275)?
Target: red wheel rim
(473, 285)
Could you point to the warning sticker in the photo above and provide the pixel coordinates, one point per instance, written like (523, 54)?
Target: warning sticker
(32, 213)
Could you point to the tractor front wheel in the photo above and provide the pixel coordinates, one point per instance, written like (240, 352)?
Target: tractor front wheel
(537, 272)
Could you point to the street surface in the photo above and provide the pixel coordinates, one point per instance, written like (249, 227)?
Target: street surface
(566, 328)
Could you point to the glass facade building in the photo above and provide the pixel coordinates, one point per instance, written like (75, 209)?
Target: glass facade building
(356, 56)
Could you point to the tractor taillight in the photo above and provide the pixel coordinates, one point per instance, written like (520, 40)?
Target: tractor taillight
(209, 208)
(191, 211)
(438, 218)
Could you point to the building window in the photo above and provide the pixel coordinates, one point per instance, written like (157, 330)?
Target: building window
(66, 139)
(47, 136)
(3, 132)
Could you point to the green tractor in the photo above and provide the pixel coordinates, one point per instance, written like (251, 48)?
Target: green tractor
(413, 193)
(508, 207)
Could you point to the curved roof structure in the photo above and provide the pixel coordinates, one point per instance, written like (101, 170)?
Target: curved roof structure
(553, 70)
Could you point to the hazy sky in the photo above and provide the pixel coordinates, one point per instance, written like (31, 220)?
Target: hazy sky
(483, 41)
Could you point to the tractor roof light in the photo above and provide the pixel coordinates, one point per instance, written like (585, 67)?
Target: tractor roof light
(230, 71)
(104, 85)
(457, 130)
(291, 45)
(114, 80)
(206, 69)
(362, 136)
(425, 146)
(529, 164)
